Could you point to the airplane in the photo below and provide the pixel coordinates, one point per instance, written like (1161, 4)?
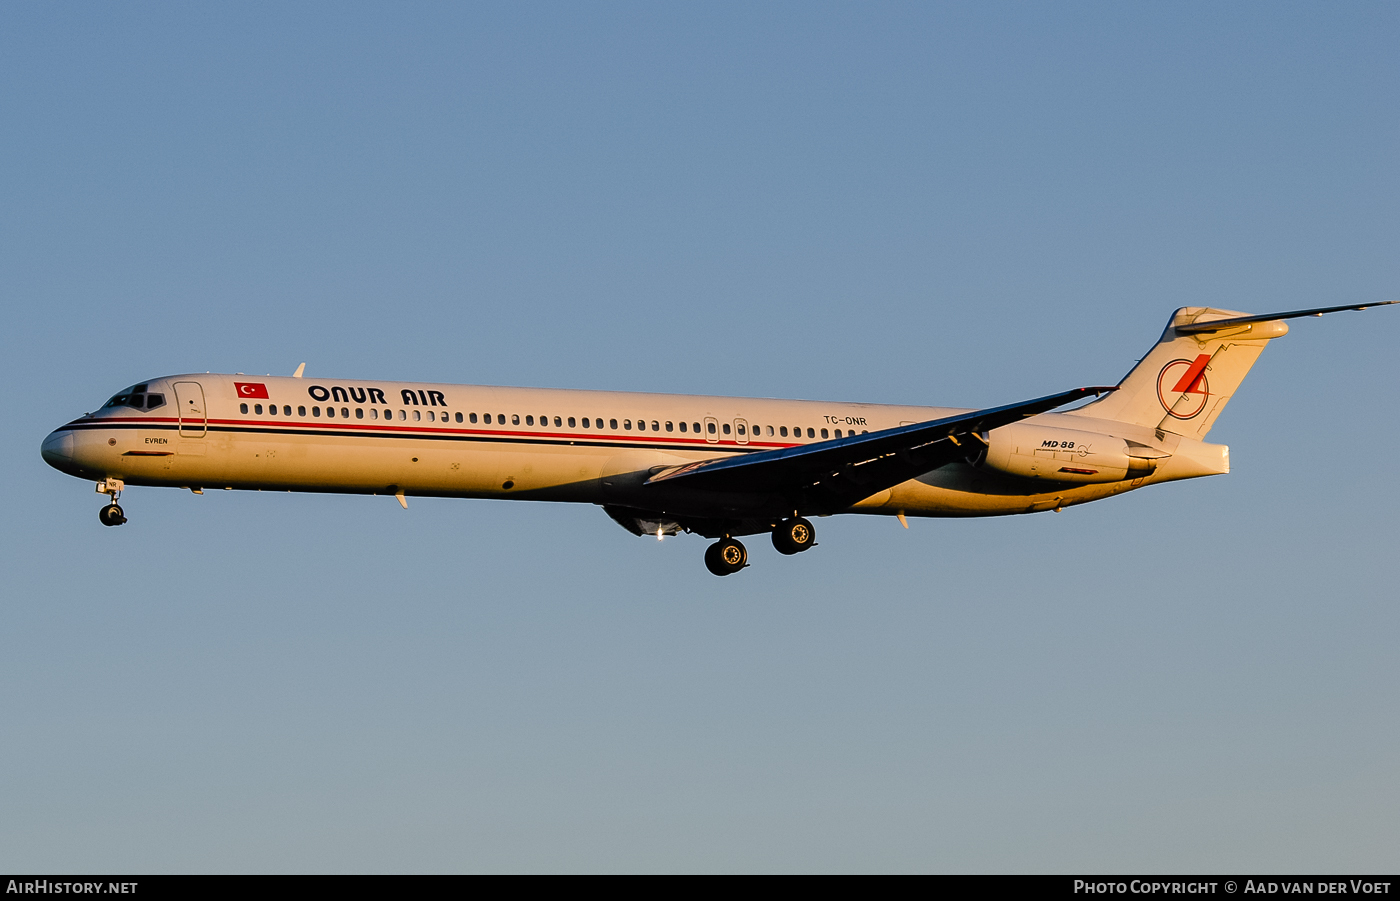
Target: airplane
(660, 464)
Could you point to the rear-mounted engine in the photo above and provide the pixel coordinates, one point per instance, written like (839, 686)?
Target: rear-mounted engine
(1065, 455)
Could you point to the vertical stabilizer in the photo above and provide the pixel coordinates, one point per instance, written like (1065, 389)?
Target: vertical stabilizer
(1188, 377)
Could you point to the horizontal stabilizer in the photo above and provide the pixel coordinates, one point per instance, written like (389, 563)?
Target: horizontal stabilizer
(1216, 325)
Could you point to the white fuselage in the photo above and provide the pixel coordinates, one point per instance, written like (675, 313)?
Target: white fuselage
(292, 434)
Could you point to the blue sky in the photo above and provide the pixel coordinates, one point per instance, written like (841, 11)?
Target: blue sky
(952, 204)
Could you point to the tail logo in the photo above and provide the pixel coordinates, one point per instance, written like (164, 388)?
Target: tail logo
(1188, 392)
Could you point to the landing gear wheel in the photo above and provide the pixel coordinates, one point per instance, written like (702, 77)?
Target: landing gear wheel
(793, 536)
(725, 557)
(111, 515)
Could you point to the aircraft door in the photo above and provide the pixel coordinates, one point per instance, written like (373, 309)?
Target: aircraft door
(711, 430)
(741, 431)
(189, 397)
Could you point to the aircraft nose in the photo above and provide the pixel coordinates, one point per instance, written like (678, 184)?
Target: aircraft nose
(58, 449)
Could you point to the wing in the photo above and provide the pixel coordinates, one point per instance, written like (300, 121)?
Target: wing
(835, 474)
(1216, 325)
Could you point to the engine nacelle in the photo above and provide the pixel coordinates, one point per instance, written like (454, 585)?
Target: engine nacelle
(1065, 455)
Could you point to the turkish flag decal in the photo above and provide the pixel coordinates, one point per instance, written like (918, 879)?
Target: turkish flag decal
(250, 389)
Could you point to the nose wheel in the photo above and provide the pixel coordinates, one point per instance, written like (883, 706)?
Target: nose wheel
(111, 515)
(726, 557)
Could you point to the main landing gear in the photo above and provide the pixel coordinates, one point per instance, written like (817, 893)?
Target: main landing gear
(791, 536)
(111, 515)
(726, 556)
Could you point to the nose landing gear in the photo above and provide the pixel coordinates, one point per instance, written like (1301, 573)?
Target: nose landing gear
(726, 557)
(111, 515)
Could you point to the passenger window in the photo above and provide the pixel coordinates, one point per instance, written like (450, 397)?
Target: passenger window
(712, 427)
(344, 412)
(823, 433)
(770, 431)
(668, 425)
(501, 418)
(782, 430)
(627, 425)
(471, 417)
(515, 419)
(287, 411)
(558, 422)
(726, 428)
(301, 411)
(486, 418)
(417, 416)
(696, 426)
(403, 415)
(682, 427)
(272, 409)
(330, 412)
(811, 433)
(838, 433)
(612, 424)
(459, 417)
(315, 411)
(741, 429)
(257, 409)
(655, 426)
(430, 416)
(373, 413)
(359, 413)
(243, 408)
(571, 421)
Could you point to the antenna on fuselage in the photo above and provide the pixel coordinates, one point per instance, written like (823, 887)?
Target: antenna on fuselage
(300, 370)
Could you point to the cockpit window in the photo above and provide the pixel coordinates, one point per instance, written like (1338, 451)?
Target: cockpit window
(136, 396)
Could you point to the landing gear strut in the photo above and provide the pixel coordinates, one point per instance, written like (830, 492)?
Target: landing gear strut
(793, 536)
(725, 557)
(111, 515)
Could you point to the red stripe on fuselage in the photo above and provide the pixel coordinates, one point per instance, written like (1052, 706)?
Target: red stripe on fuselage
(409, 430)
